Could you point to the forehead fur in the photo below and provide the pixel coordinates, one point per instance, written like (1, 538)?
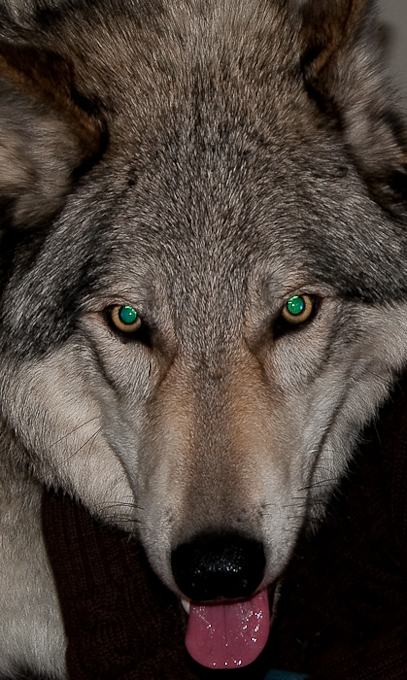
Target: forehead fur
(143, 57)
(219, 161)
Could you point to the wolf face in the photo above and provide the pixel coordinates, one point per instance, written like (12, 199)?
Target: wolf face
(204, 295)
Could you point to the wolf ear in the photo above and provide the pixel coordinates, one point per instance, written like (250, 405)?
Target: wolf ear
(342, 63)
(46, 134)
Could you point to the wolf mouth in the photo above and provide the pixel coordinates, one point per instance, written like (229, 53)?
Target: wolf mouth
(229, 634)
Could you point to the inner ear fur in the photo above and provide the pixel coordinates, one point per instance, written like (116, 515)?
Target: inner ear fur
(343, 64)
(48, 133)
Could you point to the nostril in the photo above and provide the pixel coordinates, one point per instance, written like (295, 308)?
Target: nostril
(218, 565)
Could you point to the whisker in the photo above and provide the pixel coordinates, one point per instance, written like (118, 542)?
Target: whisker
(75, 429)
(319, 484)
(119, 519)
(93, 436)
(133, 506)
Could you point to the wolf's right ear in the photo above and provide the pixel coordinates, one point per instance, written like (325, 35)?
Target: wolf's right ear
(46, 134)
(343, 68)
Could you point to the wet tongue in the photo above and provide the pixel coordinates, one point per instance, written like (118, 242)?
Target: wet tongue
(228, 635)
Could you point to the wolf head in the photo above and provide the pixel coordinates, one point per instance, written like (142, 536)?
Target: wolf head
(204, 252)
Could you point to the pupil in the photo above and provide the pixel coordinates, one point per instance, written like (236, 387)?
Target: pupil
(296, 305)
(127, 314)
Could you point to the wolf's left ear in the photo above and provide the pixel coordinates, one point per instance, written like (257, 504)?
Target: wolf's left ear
(48, 134)
(342, 63)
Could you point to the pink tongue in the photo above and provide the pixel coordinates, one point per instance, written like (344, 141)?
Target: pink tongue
(228, 635)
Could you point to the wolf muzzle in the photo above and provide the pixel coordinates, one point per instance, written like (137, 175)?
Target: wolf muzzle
(229, 618)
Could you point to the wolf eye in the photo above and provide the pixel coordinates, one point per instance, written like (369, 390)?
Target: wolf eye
(298, 309)
(125, 318)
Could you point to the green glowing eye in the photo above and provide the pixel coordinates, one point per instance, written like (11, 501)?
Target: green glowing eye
(298, 309)
(125, 318)
(296, 305)
(127, 314)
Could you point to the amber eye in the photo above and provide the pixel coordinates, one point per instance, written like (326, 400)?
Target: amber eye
(125, 318)
(298, 309)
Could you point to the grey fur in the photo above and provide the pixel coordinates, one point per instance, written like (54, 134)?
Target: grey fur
(202, 161)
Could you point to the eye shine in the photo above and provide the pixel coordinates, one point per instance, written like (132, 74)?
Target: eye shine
(296, 305)
(125, 318)
(298, 309)
(127, 314)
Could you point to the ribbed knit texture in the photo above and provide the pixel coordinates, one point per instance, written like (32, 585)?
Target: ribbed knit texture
(342, 614)
(121, 622)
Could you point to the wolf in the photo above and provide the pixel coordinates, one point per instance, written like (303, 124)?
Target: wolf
(203, 290)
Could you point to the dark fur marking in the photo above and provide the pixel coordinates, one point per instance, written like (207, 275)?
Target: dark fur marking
(6, 212)
(132, 178)
(397, 182)
(395, 123)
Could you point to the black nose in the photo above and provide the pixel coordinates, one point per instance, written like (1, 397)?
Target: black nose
(214, 565)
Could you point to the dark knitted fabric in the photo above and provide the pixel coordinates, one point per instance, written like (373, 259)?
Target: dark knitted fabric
(121, 622)
(342, 613)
